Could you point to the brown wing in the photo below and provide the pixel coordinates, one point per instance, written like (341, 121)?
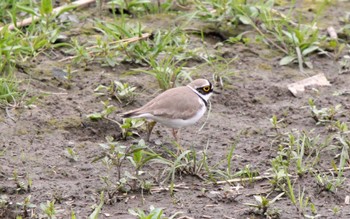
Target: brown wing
(177, 101)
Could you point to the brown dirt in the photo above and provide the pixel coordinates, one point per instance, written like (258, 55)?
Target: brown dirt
(34, 140)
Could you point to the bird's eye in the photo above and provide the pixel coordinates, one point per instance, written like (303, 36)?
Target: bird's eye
(206, 89)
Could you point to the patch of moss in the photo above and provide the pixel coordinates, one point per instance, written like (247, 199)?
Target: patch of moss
(264, 66)
(66, 122)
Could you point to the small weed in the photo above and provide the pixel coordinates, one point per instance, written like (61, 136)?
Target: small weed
(49, 209)
(26, 206)
(71, 154)
(300, 201)
(296, 41)
(179, 164)
(21, 187)
(130, 126)
(263, 203)
(153, 213)
(336, 210)
(116, 155)
(222, 69)
(107, 110)
(97, 208)
(166, 71)
(275, 122)
(123, 92)
(220, 11)
(8, 90)
(324, 115)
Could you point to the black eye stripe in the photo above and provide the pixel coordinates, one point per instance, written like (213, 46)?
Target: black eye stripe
(205, 90)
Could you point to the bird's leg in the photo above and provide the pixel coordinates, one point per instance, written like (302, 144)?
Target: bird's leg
(150, 126)
(175, 131)
(179, 148)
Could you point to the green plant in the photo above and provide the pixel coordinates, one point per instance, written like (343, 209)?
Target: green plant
(49, 209)
(220, 11)
(19, 184)
(97, 208)
(227, 173)
(336, 178)
(8, 90)
(26, 205)
(296, 41)
(221, 69)
(154, 213)
(179, 164)
(130, 126)
(275, 122)
(324, 115)
(116, 155)
(263, 203)
(71, 154)
(166, 71)
(336, 210)
(138, 158)
(107, 110)
(121, 91)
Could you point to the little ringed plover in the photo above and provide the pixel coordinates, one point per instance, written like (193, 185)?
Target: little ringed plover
(177, 107)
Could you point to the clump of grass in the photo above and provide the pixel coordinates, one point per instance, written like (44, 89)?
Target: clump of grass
(139, 7)
(8, 90)
(223, 12)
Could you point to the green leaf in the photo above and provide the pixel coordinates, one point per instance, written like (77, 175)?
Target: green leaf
(310, 50)
(245, 20)
(94, 215)
(46, 7)
(287, 60)
(95, 116)
(27, 10)
(66, 9)
(138, 156)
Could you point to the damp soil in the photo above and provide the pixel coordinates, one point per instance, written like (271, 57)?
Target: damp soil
(34, 139)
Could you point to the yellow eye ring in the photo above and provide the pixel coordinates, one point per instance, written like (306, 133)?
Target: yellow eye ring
(206, 88)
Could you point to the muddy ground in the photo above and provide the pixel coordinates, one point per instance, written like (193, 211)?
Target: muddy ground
(34, 139)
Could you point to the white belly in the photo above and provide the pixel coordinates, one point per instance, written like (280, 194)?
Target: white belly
(176, 123)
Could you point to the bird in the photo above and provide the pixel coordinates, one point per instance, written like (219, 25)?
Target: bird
(176, 107)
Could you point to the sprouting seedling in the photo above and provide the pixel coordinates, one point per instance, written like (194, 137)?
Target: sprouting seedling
(263, 203)
(153, 213)
(275, 123)
(324, 115)
(26, 205)
(20, 185)
(71, 154)
(107, 110)
(123, 92)
(49, 209)
(130, 126)
(98, 208)
(138, 157)
(115, 155)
